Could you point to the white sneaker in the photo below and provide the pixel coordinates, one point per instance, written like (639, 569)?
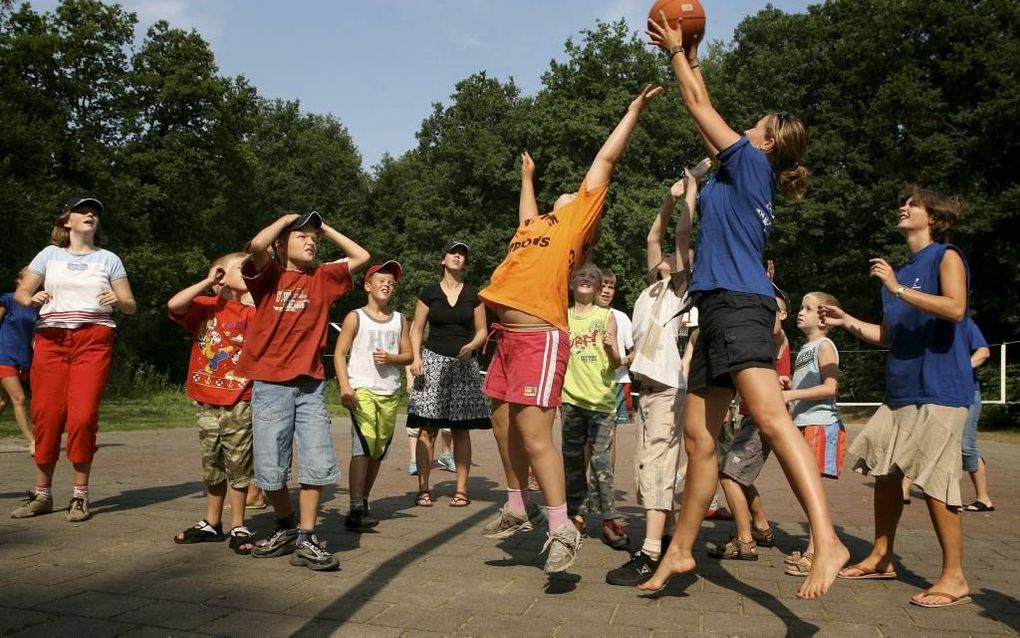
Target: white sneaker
(507, 524)
(562, 544)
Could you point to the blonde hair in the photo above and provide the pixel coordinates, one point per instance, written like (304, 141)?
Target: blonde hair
(944, 212)
(608, 275)
(789, 136)
(588, 266)
(223, 259)
(823, 298)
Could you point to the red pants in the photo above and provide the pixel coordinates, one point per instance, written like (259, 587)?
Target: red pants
(69, 372)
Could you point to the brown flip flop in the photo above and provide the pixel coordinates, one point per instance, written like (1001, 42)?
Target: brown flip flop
(953, 600)
(460, 499)
(866, 574)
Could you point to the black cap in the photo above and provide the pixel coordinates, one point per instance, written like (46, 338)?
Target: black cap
(311, 217)
(453, 244)
(80, 201)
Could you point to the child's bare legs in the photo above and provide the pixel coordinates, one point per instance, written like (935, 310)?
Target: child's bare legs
(949, 530)
(655, 525)
(704, 413)
(237, 497)
(363, 471)
(737, 502)
(214, 497)
(760, 389)
(979, 478)
(255, 497)
(280, 500)
(759, 520)
(906, 483)
(530, 441)
(888, 507)
(308, 505)
(462, 457)
(12, 392)
(446, 437)
(423, 456)
(501, 432)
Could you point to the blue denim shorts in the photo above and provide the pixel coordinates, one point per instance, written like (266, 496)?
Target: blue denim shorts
(283, 413)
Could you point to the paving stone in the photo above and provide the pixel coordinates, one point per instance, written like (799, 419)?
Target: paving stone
(489, 624)
(254, 623)
(588, 629)
(258, 599)
(174, 615)
(346, 630)
(12, 620)
(753, 625)
(339, 608)
(570, 610)
(420, 618)
(658, 618)
(840, 630)
(28, 595)
(93, 604)
(73, 626)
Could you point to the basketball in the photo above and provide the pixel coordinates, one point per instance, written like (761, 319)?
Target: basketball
(690, 10)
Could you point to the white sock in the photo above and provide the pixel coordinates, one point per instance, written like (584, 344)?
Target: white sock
(652, 547)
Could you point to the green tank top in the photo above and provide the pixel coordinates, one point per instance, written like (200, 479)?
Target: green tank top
(589, 379)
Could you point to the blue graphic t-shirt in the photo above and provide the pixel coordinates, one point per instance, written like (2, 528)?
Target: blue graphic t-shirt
(929, 358)
(16, 332)
(736, 217)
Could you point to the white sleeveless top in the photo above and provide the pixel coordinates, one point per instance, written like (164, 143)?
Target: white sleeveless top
(361, 368)
(656, 326)
(807, 373)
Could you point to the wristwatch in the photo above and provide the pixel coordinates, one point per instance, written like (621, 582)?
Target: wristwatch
(899, 292)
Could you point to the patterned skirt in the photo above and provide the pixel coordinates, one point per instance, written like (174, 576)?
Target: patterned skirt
(448, 395)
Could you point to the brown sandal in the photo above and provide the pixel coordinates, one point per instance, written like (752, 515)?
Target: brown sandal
(802, 567)
(460, 499)
(424, 499)
(735, 549)
(763, 537)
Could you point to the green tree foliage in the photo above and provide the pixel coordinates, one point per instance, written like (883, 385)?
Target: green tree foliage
(192, 163)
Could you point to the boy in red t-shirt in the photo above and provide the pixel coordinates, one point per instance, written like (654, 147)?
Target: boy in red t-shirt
(219, 324)
(284, 359)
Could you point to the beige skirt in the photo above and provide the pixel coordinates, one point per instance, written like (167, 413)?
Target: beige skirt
(923, 441)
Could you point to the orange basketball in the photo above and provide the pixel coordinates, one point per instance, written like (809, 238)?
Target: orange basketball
(690, 10)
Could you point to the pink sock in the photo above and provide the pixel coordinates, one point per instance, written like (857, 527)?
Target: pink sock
(515, 501)
(525, 496)
(557, 516)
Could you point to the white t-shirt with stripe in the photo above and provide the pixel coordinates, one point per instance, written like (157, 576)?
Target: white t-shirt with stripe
(74, 283)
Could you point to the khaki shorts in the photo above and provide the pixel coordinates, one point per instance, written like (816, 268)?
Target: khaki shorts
(225, 436)
(657, 457)
(923, 441)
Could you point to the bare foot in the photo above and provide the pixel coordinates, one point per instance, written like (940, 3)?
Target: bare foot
(668, 568)
(829, 559)
(957, 587)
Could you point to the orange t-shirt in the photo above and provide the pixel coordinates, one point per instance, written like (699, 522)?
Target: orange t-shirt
(542, 256)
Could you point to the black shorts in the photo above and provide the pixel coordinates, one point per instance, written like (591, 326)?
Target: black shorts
(735, 333)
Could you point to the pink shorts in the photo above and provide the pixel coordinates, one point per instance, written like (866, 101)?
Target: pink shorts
(11, 371)
(528, 367)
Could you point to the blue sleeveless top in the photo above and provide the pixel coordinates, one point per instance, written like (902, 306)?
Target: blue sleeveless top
(736, 217)
(929, 358)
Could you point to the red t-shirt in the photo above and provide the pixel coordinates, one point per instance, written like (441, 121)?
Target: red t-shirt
(783, 368)
(288, 337)
(220, 327)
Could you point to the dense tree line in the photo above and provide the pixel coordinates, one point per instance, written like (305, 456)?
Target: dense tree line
(191, 163)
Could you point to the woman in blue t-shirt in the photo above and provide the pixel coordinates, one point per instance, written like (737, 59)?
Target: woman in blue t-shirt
(928, 388)
(447, 387)
(737, 310)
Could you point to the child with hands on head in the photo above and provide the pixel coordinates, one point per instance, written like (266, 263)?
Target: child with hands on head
(292, 296)
(219, 324)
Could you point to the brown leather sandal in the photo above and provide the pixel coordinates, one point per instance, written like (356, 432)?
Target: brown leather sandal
(735, 549)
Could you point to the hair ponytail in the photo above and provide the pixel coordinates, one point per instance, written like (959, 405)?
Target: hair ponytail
(793, 182)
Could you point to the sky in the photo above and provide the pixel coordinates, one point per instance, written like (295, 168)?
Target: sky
(379, 66)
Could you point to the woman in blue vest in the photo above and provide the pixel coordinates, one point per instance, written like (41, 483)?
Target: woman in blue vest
(928, 387)
(737, 309)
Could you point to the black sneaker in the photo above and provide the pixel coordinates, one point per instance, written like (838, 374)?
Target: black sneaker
(359, 519)
(313, 555)
(637, 570)
(281, 542)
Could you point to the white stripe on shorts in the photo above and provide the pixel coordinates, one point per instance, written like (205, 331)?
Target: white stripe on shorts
(552, 342)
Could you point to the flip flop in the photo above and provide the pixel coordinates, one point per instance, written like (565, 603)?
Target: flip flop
(460, 499)
(953, 600)
(424, 499)
(978, 506)
(866, 574)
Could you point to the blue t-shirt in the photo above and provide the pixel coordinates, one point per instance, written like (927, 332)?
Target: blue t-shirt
(929, 358)
(16, 332)
(736, 217)
(976, 340)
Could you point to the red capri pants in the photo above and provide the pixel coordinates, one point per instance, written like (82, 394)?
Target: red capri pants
(69, 372)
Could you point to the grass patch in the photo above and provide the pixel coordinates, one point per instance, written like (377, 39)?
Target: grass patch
(162, 409)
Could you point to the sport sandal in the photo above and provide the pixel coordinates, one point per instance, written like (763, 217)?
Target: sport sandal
(735, 549)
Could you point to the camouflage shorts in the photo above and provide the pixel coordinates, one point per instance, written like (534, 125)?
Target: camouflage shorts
(225, 436)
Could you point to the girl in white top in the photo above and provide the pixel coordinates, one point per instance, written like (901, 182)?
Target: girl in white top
(81, 286)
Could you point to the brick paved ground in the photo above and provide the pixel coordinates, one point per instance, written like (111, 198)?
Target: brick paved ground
(429, 571)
